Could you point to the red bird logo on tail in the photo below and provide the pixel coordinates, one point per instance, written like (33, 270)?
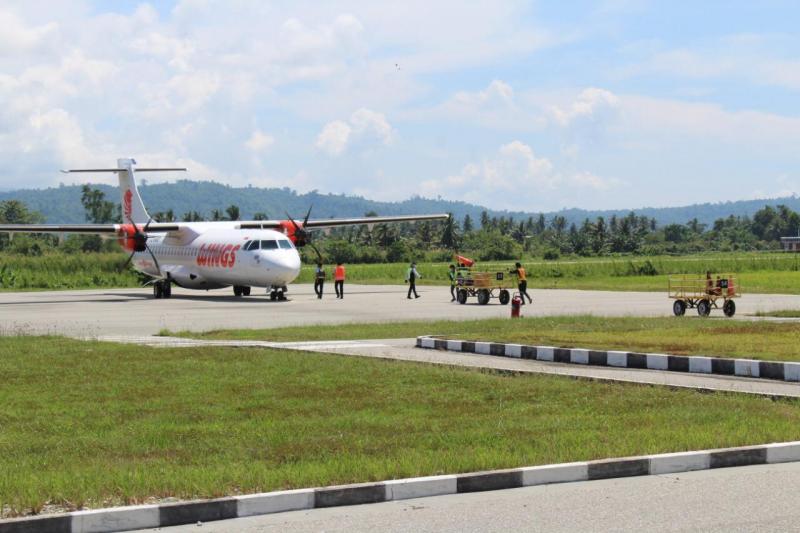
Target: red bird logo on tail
(126, 204)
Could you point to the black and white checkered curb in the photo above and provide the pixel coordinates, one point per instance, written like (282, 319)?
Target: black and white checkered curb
(652, 361)
(152, 516)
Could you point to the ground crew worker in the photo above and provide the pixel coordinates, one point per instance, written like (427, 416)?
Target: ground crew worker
(522, 283)
(411, 279)
(452, 275)
(319, 280)
(338, 280)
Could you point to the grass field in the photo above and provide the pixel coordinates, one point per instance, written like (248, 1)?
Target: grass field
(92, 424)
(686, 336)
(759, 272)
(783, 313)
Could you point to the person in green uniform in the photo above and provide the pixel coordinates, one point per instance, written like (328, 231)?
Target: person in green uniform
(452, 275)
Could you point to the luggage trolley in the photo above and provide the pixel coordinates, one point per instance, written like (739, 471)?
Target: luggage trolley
(483, 285)
(704, 293)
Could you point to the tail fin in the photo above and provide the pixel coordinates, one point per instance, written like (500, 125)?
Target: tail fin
(132, 206)
(133, 209)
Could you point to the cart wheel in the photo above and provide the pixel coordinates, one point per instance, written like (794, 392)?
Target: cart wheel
(504, 297)
(462, 296)
(679, 307)
(703, 308)
(483, 297)
(729, 308)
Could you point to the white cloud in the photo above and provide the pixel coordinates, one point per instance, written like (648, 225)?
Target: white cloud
(371, 123)
(497, 93)
(259, 141)
(363, 125)
(334, 137)
(18, 37)
(591, 107)
(516, 178)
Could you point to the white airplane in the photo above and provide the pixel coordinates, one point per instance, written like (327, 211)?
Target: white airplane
(206, 255)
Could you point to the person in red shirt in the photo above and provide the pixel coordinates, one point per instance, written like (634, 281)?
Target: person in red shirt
(338, 280)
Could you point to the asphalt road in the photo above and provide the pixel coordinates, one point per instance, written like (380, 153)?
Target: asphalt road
(753, 498)
(135, 312)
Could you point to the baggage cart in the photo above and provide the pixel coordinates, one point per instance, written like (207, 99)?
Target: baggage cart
(704, 293)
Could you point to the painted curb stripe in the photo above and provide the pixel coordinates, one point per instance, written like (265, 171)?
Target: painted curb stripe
(204, 511)
(740, 457)
(142, 517)
(350, 495)
(615, 468)
(49, 524)
(482, 481)
(775, 370)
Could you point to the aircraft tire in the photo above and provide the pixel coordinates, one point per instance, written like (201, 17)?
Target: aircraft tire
(245, 291)
(166, 289)
(157, 290)
(237, 290)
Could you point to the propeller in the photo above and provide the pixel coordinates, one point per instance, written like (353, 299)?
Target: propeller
(302, 235)
(140, 244)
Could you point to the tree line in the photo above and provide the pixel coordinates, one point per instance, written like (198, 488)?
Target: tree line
(489, 238)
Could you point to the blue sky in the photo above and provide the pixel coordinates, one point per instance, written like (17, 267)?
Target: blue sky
(517, 105)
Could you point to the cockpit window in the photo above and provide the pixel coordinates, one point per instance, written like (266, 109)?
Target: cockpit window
(251, 245)
(269, 245)
(285, 244)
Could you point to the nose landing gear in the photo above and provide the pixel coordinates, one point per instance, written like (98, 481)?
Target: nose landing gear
(277, 293)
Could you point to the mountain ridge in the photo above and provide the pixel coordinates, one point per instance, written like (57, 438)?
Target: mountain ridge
(61, 204)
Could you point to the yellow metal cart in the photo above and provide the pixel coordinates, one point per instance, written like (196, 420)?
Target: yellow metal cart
(704, 293)
(483, 285)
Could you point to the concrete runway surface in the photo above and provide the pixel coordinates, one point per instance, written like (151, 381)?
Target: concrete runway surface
(751, 498)
(135, 311)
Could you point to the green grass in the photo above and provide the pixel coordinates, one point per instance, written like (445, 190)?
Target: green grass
(758, 272)
(686, 335)
(93, 424)
(783, 313)
(765, 272)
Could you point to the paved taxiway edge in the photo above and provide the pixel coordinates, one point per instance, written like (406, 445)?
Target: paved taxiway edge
(748, 368)
(171, 514)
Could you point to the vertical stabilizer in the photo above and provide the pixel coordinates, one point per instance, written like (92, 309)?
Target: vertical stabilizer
(133, 209)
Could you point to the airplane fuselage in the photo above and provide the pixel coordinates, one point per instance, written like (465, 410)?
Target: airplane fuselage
(205, 256)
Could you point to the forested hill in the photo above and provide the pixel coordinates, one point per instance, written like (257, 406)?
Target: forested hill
(62, 204)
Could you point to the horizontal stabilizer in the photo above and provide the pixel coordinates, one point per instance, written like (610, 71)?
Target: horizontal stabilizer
(123, 170)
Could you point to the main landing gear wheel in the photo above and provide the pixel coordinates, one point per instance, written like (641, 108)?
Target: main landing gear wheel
(729, 308)
(462, 296)
(505, 297)
(240, 290)
(162, 289)
(679, 307)
(704, 308)
(483, 297)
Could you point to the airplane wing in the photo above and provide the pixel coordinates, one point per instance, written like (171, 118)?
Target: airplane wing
(94, 229)
(335, 222)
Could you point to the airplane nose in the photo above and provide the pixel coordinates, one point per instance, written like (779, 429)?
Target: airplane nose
(285, 267)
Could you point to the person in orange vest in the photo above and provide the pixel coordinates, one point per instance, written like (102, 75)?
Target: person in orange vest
(338, 280)
(522, 283)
